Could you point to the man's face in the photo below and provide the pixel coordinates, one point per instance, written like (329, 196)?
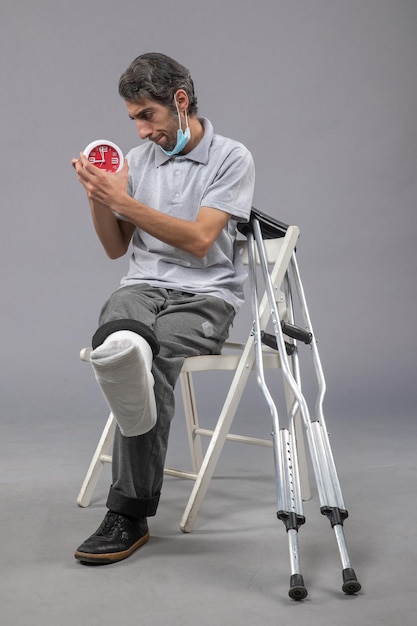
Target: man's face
(154, 122)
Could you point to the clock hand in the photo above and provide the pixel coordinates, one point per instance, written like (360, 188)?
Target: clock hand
(101, 150)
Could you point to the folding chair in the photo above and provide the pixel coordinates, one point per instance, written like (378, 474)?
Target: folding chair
(270, 245)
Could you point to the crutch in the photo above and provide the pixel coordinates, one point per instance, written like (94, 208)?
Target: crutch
(289, 501)
(330, 494)
(285, 452)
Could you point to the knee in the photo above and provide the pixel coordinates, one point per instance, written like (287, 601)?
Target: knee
(107, 329)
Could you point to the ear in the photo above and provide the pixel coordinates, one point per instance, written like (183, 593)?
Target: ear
(182, 99)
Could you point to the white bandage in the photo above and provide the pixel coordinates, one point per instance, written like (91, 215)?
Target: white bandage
(122, 367)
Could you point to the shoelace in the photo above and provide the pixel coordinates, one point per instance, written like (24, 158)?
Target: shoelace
(107, 523)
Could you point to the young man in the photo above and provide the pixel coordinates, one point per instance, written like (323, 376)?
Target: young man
(177, 202)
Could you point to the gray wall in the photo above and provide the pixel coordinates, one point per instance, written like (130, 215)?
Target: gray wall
(323, 92)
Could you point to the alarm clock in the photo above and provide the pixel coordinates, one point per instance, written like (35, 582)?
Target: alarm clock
(105, 155)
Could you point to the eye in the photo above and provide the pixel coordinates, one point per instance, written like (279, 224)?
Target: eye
(143, 115)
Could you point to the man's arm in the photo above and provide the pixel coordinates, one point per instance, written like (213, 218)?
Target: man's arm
(114, 234)
(107, 192)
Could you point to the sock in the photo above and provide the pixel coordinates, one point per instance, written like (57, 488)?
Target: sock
(122, 367)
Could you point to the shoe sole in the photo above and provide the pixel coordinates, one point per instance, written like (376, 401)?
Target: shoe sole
(112, 557)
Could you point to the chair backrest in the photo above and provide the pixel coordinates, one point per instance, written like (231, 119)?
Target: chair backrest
(278, 254)
(272, 249)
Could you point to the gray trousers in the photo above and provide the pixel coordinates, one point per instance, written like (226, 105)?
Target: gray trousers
(185, 325)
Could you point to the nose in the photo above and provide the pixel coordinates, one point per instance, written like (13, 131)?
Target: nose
(144, 129)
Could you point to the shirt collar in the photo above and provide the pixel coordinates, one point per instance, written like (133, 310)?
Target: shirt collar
(200, 154)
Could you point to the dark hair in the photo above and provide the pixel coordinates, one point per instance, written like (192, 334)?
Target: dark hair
(157, 76)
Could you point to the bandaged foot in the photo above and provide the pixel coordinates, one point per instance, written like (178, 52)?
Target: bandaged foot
(122, 366)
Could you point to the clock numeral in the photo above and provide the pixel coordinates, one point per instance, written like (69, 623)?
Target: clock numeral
(115, 160)
(92, 159)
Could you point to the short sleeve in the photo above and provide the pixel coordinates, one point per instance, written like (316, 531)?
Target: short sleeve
(233, 186)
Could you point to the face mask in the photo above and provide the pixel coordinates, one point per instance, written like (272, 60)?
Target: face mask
(182, 137)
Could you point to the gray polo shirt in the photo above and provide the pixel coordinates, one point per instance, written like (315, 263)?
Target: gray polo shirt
(218, 173)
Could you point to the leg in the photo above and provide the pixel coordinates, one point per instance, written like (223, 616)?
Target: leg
(185, 325)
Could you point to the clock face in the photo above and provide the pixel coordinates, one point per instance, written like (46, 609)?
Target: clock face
(105, 155)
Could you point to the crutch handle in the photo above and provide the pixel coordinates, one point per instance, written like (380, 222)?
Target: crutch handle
(295, 332)
(271, 341)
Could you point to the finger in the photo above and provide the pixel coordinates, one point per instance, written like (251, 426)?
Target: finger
(86, 163)
(90, 168)
(84, 159)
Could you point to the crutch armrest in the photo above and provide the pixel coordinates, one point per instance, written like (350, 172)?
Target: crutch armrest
(271, 228)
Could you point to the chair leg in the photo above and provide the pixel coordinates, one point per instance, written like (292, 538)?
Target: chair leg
(218, 439)
(191, 420)
(100, 457)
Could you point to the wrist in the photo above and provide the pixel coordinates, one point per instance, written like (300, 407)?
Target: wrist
(125, 205)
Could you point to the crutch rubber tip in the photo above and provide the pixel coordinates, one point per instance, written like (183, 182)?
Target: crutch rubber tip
(297, 590)
(350, 582)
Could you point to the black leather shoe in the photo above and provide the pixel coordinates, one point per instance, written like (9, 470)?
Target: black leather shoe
(116, 538)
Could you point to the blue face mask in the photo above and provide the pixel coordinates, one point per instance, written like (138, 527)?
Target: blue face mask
(182, 137)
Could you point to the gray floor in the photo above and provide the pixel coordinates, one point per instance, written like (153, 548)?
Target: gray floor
(234, 567)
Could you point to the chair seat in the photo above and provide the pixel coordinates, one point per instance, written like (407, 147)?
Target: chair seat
(227, 361)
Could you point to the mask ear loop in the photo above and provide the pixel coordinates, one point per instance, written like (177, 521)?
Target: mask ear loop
(179, 116)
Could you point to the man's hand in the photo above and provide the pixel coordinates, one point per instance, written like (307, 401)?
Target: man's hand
(105, 190)
(104, 187)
